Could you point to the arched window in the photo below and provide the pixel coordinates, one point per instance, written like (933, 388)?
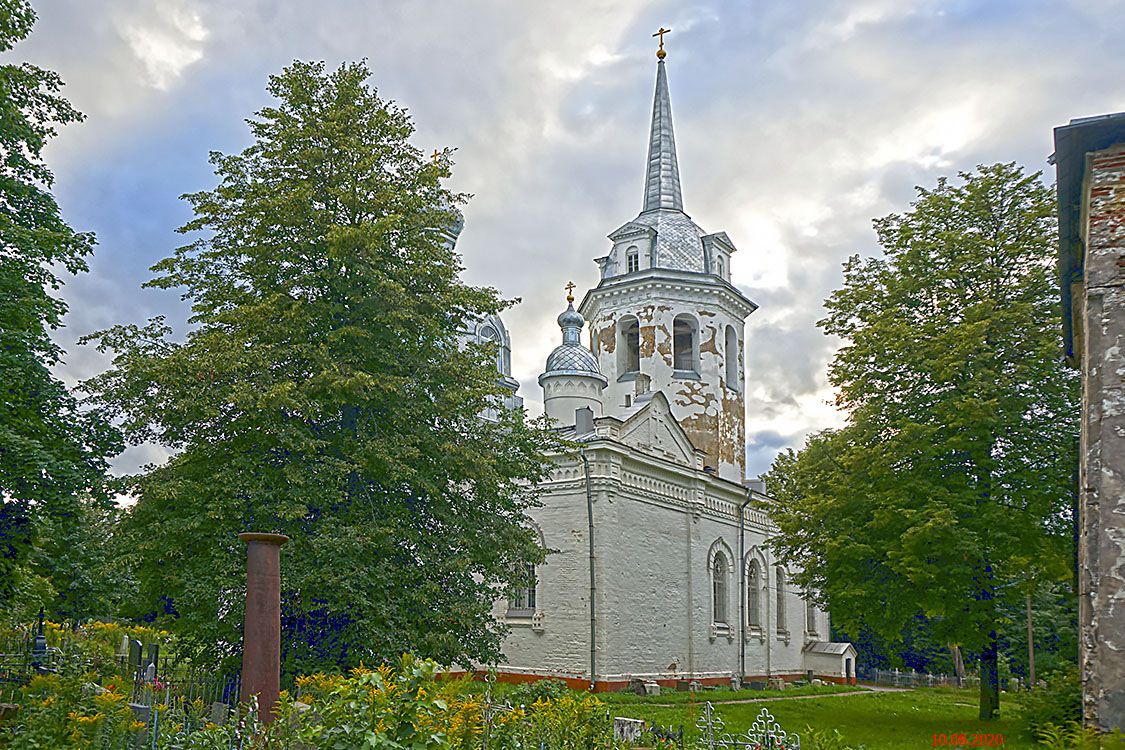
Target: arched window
(490, 335)
(523, 598)
(733, 357)
(781, 600)
(629, 346)
(719, 570)
(810, 616)
(684, 344)
(753, 595)
(632, 260)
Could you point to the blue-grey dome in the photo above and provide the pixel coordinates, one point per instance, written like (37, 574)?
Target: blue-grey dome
(571, 318)
(570, 357)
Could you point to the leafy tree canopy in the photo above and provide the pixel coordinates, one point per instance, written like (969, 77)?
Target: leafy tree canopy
(949, 491)
(322, 393)
(52, 452)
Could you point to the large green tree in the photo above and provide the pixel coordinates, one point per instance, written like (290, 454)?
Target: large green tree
(322, 393)
(949, 490)
(52, 452)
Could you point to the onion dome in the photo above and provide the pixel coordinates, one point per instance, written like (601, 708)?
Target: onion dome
(570, 357)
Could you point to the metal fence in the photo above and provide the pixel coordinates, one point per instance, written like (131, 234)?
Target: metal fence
(912, 679)
(712, 734)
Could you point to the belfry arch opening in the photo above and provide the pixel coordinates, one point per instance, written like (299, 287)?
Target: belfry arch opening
(732, 357)
(629, 345)
(685, 344)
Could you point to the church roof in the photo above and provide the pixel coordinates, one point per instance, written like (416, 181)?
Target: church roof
(834, 648)
(677, 241)
(570, 357)
(662, 180)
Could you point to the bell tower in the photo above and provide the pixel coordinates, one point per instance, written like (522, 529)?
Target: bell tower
(665, 315)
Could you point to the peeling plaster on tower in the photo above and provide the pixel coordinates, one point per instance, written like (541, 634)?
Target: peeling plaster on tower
(665, 309)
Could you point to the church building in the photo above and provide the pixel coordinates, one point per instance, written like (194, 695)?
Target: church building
(659, 568)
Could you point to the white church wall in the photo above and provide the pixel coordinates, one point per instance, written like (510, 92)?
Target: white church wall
(654, 610)
(559, 642)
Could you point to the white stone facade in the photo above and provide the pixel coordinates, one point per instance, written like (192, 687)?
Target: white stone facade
(653, 522)
(660, 524)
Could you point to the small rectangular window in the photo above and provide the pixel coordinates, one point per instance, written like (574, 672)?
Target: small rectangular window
(633, 261)
(523, 599)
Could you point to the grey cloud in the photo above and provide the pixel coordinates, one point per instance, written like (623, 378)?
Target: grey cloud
(797, 123)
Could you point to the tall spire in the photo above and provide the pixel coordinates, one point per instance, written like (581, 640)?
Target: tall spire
(662, 181)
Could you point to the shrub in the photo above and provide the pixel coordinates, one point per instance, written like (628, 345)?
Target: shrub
(405, 705)
(1059, 703)
(1073, 736)
(63, 712)
(528, 693)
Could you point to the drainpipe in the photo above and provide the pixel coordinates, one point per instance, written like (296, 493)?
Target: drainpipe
(742, 587)
(590, 537)
(769, 601)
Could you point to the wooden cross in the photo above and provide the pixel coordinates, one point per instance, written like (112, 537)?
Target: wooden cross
(660, 52)
(570, 291)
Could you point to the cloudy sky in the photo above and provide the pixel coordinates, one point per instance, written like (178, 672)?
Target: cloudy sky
(797, 122)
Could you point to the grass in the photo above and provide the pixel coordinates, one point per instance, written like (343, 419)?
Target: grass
(878, 721)
(721, 695)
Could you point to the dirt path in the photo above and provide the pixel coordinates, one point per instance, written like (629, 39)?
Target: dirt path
(867, 691)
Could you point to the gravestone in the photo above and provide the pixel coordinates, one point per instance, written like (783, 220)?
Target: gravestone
(219, 713)
(652, 688)
(627, 730)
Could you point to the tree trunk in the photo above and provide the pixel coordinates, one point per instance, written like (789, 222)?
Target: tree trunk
(1030, 648)
(989, 680)
(958, 663)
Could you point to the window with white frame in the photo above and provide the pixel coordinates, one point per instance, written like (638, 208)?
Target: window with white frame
(753, 595)
(523, 598)
(720, 571)
(781, 628)
(632, 260)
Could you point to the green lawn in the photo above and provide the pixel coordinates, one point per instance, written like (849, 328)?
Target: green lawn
(890, 721)
(721, 694)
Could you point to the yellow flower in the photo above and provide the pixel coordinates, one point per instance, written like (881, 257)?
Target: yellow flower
(136, 726)
(108, 699)
(210, 725)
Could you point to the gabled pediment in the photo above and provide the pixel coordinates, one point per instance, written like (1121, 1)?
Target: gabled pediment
(721, 239)
(653, 429)
(632, 229)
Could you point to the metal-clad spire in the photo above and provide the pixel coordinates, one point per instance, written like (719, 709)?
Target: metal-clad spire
(662, 182)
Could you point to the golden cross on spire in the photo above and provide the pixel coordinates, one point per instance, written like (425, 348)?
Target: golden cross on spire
(660, 53)
(570, 292)
(435, 156)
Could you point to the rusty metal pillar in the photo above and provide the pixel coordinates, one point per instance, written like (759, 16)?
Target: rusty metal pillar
(261, 638)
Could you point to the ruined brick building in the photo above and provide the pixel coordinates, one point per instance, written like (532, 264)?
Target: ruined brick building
(1090, 160)
(659, 567)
